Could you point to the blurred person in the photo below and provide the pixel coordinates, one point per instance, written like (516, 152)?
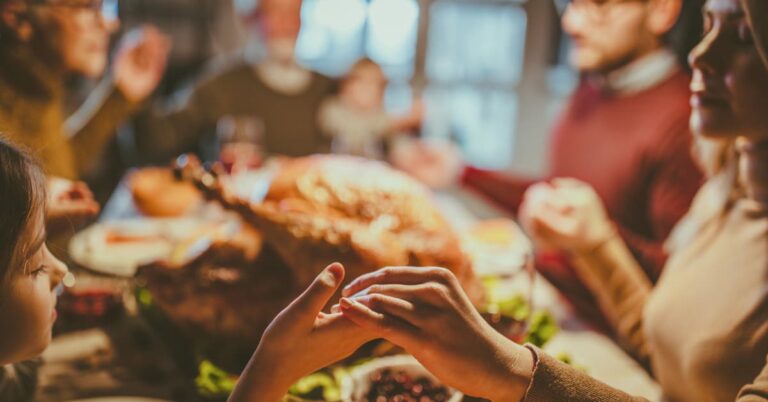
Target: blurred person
(356, 119)
(29, 274)
(42, 42)
(275, 90)
(624, 131)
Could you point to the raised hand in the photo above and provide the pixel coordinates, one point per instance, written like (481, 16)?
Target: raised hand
(566, 214)
(301, 340)
(426, 312)
(140, 62)
(69, 205)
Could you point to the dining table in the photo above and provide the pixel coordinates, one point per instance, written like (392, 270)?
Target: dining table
(123, 359)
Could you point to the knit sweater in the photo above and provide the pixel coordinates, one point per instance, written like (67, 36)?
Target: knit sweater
(702, 331)
(31, 115)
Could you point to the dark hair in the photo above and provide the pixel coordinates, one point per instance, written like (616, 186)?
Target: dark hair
(688, 30)
(22, 196)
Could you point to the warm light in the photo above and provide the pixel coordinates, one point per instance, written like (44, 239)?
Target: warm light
(392, 29)
(338, 15)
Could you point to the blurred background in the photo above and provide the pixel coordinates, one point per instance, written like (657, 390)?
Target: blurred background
(492, 73)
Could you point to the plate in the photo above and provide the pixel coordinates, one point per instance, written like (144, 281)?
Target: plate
(118, 248)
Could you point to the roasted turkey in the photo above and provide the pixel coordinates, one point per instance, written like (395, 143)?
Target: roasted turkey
(318, 210)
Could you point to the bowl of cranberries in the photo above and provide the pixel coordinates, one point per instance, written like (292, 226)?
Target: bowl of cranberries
(395, 379)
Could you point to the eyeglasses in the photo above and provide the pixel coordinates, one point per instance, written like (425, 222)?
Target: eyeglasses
(107, 9)
(595, 10)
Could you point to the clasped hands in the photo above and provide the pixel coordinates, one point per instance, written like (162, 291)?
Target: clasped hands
(423, 310)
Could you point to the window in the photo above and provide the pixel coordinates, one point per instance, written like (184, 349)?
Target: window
(473, 53)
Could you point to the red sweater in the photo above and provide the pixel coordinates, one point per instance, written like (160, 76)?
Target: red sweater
(635, 150)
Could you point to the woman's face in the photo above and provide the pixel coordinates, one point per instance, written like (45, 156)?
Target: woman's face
(27, 305)
(729, 79)
(80, 34)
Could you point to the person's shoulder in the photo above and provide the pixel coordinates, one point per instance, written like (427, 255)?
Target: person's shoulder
(224, 67)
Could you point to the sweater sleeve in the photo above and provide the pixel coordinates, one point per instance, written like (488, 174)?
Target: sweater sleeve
(555, 381)
(162, 131)
(503, 189)
(621, 288)
(96, 122)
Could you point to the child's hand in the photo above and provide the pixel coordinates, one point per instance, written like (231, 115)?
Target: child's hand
(301, 340)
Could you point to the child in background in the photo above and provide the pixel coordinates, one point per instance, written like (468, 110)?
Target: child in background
(356, 119)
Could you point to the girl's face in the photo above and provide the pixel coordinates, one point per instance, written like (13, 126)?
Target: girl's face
(27, 307)
(729, 78)
(79, 33)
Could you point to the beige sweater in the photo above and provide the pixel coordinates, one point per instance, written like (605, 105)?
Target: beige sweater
(703, 331)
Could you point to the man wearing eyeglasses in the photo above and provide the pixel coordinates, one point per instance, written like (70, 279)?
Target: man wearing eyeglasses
(624, 130)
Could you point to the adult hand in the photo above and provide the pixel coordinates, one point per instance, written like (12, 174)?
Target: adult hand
(69, 205)
(567, 214)
(425, 311)
(301, 340)
(140, 62)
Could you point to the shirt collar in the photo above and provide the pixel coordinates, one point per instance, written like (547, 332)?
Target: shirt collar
(641, 74)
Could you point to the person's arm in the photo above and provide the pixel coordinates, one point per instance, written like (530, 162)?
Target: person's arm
(556, 381)
(503, 189)
(553, 380)
(138, 67)
(569, 216)
(96, 122)
(621, 288)
(165, 129)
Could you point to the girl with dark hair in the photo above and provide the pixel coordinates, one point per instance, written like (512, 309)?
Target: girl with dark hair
(29, 273)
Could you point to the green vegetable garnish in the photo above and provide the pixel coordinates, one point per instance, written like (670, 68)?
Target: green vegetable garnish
(214, 382)
(317, 386)
(541, 329)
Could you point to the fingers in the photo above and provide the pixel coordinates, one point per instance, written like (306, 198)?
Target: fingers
(385, 326)
(317, 295)
(426, 294)
(339, 328)
(400, 276)
(74, 209)
(394, 306)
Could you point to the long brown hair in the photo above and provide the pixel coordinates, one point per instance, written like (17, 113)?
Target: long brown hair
(22, 198)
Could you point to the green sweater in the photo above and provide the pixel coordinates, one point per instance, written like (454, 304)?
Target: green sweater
(31, 115)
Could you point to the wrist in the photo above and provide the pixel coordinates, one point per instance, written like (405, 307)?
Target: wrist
(601, 237)
(516, 376)
(266, 378)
